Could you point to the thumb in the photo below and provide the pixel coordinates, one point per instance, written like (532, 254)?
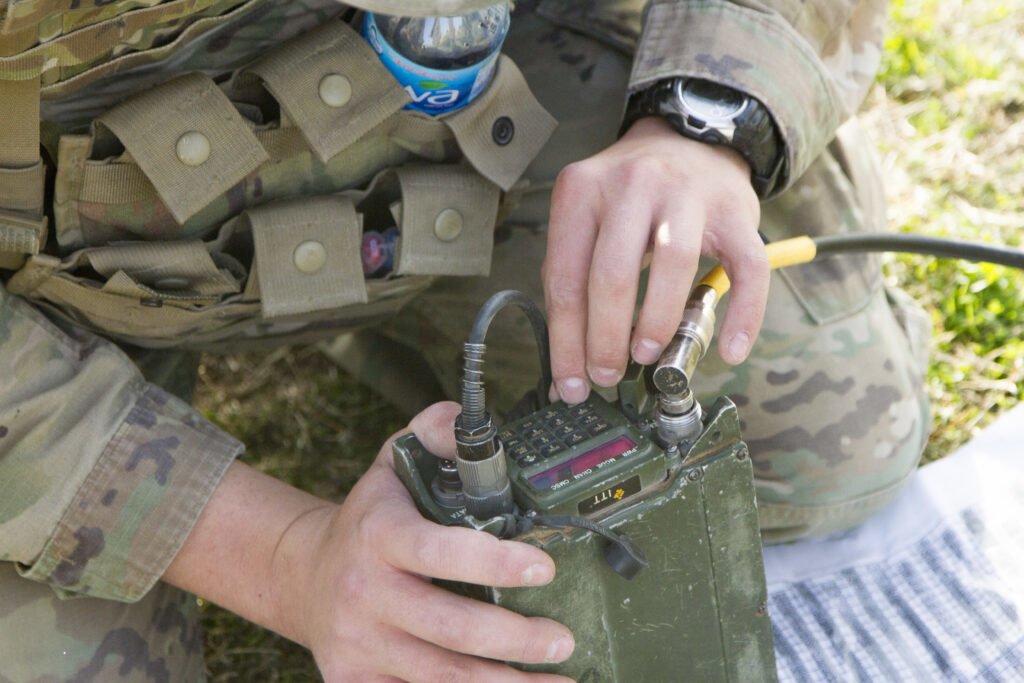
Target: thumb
(435, 428)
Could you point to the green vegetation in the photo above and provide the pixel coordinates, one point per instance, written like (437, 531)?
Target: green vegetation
(947, 116)
(947, 120)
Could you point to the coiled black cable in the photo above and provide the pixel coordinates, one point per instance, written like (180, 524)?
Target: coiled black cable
(473, 393)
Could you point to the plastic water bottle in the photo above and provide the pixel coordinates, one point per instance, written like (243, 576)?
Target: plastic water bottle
(444, 63)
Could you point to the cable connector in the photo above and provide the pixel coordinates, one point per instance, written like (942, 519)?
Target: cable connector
(480, 458)
(678, 421)
(675, 369)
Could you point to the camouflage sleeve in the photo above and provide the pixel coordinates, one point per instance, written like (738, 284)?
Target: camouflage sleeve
(811, 63)
(102, 475)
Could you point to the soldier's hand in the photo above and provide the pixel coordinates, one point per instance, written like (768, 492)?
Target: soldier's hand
(653, 190)
(371, 613)
(351, 582)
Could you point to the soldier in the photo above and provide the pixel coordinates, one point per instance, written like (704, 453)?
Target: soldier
(172, 202)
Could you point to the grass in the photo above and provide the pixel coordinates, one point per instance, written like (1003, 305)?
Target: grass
(947, 119)
(947, 116)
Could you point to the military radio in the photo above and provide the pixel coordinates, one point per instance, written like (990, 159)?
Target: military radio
(645, 502)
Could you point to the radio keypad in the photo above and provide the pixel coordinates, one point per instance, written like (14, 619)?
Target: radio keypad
(553, 430)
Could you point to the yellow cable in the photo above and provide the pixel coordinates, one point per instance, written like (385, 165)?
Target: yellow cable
(791, 252)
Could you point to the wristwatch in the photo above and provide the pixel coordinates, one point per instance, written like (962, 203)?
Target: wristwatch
(718, 115)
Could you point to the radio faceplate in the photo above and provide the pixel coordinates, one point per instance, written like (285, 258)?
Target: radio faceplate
(579, 459)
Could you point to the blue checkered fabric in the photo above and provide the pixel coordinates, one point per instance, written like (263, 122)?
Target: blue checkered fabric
(935, 610)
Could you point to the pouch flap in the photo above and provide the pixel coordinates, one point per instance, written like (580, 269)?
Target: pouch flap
(307, 256)
(22, 189)
(448, 217)
(189, 140)
(332, 86)
(505, 129)
(165, 267)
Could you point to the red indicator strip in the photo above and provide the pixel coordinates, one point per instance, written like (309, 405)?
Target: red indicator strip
(581, 463)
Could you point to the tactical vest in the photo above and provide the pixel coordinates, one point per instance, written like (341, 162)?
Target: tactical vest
(205, 169)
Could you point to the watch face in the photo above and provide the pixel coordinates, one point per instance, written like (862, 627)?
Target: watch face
(711, 101)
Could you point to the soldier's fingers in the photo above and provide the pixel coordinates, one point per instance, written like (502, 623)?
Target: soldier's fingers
(614, 281)
(416, 661)
(408, 542)
(572, 233)
(473, 627)
(746, 262)
(677, 245)
(435, 428)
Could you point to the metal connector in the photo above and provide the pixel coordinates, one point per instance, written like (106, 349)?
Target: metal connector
(447, 487)
(678, 421)
(480, 458)
(675, 369)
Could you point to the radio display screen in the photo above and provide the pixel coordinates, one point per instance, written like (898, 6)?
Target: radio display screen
(582, 465)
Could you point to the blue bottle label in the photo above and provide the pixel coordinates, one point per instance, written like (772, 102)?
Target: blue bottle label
(433, 91)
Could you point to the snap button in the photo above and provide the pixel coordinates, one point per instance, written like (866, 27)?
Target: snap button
(193, 148)
(503, 131)
(310, 257)
(448, 225)
(171, 284)
(335, 90)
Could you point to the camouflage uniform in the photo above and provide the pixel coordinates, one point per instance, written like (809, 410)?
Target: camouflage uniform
(832, 398)
(103, 474)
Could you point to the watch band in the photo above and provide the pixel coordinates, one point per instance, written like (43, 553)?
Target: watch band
(750, 131)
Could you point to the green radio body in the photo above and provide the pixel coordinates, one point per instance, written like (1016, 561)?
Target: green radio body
(698, 611)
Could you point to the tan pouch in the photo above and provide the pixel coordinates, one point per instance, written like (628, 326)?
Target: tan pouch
(102, 195)
(101, 200)
(504, 129)
(283, 268)
(171, 165)
(447, 216)
(188, 139)
(306, 256)
(331, 85)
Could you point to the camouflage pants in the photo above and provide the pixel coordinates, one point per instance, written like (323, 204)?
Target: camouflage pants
(831, 400)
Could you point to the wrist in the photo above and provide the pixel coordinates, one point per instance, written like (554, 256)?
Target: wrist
(718, 116)
(660, 131)
(293, 569)
(253, 548)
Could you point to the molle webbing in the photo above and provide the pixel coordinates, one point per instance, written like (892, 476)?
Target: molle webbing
(62, 57)
(267, 161)
(19, 110)
(22, 176)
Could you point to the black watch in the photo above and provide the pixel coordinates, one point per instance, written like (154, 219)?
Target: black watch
(719, 115)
